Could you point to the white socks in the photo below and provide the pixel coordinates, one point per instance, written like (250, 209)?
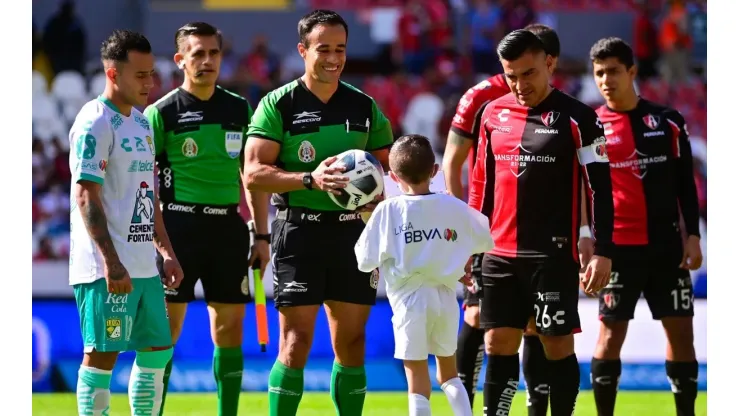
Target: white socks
(93, 392)
(146, 382)
(145, 387)
(419, 405)
(457, 396)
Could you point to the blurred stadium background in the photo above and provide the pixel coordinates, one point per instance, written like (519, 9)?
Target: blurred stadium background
(416, 58)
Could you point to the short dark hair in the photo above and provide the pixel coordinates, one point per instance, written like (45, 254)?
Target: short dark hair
(319, 17)
(613, 47)
(412, 158)
(117, 46)
(197, 29)
(547, 36)
(517, 43)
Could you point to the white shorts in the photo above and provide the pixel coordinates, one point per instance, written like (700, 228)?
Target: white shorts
(426, 322)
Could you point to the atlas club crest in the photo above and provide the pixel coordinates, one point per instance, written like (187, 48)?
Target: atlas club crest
(651, 121)
(550, 118)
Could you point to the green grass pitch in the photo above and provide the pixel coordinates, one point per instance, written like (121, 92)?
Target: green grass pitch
(376, 404)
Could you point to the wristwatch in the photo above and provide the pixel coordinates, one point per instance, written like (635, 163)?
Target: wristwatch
(253, 233)
(263, 237)
(308, 180)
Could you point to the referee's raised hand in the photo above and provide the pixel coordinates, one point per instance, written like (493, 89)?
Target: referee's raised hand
(326, 178)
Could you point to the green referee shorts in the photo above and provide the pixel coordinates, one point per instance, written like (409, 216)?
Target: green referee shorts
(116, 323)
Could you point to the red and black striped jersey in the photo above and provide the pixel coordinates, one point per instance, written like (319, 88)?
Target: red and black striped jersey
(652, 173)
(531, 164)
(466, 122)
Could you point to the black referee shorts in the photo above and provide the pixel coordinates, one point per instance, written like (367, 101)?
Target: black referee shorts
(314, 260)
(212, 245)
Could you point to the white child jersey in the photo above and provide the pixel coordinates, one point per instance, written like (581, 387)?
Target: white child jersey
(117, 152)
(421, 240)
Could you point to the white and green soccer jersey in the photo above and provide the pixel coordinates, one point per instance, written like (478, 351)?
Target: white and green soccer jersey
(117, 152)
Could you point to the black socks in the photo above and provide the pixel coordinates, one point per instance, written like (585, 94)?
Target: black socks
(470, 351)
(502, 380)
(535, 367)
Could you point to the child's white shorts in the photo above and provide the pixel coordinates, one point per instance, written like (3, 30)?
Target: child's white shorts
(425, 322)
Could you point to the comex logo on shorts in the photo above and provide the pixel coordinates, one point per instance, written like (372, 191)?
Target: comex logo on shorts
(350, 217)
(295, 287)
(191, 209)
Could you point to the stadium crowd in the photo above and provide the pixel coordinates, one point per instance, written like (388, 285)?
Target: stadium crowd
(429, 53)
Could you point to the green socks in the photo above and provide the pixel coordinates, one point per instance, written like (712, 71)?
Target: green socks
(228, 364)
(348, 388)
(285, 390)
(166, 381)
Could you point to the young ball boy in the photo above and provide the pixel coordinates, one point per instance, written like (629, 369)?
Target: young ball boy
(422, 242)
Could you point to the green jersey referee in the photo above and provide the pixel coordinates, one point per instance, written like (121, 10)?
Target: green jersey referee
(295, 132)
(199, 129)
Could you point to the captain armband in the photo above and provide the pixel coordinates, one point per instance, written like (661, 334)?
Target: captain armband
(593, 153)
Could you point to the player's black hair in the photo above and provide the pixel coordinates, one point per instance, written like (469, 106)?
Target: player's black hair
(412, 159)
(517, 43)
(319, 17)
(117, 46)
(197, 29)
(613, 47)
(548, 37)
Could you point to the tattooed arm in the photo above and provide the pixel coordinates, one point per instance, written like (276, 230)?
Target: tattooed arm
(92, 138)
(87, 196)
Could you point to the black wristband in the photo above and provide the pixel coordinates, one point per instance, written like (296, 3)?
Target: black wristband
(263, 237)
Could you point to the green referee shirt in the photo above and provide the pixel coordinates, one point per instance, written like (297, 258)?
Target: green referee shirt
(310, 131)
(199, 146)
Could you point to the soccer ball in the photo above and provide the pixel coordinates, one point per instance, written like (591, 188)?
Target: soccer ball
(365, 179)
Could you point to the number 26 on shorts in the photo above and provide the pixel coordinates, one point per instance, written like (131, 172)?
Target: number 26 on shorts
(545, 320)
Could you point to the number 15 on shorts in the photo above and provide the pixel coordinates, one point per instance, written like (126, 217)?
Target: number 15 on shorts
(682, 299)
